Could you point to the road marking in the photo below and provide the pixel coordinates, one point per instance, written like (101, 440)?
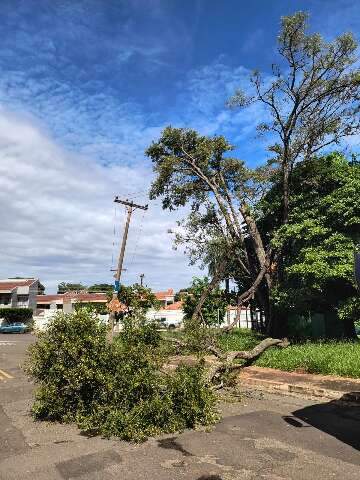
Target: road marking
(4, 342)
(4, 374)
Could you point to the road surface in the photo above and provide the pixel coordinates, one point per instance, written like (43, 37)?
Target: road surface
(260, 437)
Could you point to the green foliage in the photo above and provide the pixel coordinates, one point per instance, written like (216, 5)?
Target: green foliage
(69, 362)
(350, 308)
(181, 294)
(137, 298)
(214, 307)
(101, 288)
(16, 314)
(312, 100)
(171, 156)
(318, 241)
(96, 307)
(116, 389)
(70, 287)
(312, 103)
(239, 339)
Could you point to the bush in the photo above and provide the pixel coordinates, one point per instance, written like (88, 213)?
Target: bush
(114, 389)
(16, 314)
(69, 362)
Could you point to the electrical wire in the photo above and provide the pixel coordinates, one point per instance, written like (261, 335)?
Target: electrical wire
(137, 239)
(117, 233)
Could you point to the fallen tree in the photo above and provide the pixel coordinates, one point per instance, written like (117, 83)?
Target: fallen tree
(226, 361)
(222, 362)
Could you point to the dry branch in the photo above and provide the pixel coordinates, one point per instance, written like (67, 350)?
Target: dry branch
(225, 362)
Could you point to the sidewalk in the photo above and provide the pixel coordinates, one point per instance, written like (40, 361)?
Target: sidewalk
(328, 387)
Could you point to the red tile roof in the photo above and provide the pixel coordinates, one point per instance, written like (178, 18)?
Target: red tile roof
(21, 282)
(49, 298)
(162, 295)
(89, 297)
(6, 286)
(175, 306)
(79, 297)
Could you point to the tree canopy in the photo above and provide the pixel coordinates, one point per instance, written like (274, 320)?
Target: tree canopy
(312, 102)
(70, 287)
(318, 241)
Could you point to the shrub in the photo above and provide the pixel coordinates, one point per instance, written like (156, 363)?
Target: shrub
(16, 314)
(69, 362)
(114, 389)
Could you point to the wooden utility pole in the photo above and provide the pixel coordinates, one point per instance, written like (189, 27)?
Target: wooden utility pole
(130, 206)
(142, 275)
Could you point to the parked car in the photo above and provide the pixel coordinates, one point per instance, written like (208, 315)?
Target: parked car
(15, 327)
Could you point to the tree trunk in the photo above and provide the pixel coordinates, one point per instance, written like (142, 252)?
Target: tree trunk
(278, 325)
(214, 282)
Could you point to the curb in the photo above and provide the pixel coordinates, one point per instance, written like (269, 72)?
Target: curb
(300, 385)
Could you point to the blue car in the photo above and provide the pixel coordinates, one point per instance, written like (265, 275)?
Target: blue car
(15, 327)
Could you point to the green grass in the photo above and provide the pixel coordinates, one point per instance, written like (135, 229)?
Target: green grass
(326, 358)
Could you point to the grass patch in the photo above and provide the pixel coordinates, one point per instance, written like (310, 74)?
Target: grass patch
(239, 339)
(322, 357)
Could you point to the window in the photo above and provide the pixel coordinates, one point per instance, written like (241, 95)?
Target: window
(22, 300)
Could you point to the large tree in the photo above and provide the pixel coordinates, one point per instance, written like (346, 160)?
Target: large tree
(312, 101)
(317, 243)
(312, 98)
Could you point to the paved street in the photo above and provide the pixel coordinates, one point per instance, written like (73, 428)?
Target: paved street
(262, 436)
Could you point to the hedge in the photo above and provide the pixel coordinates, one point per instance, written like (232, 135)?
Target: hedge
(16, 314)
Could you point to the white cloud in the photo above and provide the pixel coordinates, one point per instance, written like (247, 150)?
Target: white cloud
(56, 215)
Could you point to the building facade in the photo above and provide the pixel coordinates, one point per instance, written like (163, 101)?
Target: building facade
(67, 301)
(19, 292)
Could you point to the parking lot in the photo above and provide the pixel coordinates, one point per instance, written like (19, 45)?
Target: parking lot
(261, 436)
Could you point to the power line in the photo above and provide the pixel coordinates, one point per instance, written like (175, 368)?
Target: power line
(130, 207)
(137, 238)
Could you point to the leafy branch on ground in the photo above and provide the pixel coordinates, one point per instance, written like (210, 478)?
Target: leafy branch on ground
(119, 388)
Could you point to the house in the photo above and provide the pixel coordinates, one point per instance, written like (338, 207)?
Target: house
(48, 305)
(66, 301)
(166, 298)
(19, 292)
(170, 315)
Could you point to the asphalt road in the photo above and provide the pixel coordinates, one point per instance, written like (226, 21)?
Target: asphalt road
(260, 437)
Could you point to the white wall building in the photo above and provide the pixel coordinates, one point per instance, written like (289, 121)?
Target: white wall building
(170, 315)
(244, 320)
(19, 293)
(66, 301)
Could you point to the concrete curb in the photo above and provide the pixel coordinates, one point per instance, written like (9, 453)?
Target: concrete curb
(298, 384)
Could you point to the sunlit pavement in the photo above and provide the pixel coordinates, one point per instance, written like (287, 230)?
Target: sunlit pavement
(263, 436)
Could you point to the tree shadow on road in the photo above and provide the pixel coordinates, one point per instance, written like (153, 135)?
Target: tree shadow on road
(209, 477)
(173, 444)
(338, 418)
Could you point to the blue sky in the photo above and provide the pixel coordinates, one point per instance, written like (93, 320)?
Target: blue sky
(86, 85)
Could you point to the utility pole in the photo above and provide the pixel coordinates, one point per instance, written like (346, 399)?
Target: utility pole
(130, 206)
(142, 275)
